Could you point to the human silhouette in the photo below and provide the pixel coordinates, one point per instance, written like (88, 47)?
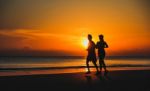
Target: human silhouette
(91, 54)
(101, 45)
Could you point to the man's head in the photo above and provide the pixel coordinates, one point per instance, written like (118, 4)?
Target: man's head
(89, 37)
(101, 37)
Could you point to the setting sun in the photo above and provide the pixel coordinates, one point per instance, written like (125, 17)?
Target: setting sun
(85, 43)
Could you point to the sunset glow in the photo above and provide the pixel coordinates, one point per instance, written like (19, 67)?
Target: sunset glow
(60, 26)
(85, 43)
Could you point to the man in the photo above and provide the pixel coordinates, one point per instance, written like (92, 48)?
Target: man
(91, 54)
(101, 45)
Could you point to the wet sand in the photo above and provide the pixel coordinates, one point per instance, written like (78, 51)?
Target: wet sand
(121, 80)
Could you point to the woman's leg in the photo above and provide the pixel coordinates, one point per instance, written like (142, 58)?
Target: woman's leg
(104, 65)
(100, 64)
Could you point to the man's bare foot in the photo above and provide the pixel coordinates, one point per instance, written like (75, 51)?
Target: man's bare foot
(88, 72)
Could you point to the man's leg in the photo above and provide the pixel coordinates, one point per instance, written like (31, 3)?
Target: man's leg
(94, 62)
(87, 64)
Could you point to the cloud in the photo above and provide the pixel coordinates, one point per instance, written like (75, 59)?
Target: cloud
(9, 42)
(35, 39)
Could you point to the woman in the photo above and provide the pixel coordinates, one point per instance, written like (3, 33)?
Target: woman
(101, 45)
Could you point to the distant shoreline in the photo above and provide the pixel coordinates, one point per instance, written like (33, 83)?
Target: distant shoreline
(4, 73)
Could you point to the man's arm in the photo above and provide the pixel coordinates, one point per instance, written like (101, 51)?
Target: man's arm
(88, 47)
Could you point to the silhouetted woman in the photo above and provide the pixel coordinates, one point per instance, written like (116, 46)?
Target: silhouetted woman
(101, 45)
(91, 54)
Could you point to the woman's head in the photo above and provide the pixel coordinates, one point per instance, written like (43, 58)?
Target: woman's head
(101, 37)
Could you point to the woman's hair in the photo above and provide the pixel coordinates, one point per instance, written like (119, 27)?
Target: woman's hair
(101, 36)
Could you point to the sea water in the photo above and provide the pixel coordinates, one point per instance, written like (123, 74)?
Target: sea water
(14, 66)
(48, 62)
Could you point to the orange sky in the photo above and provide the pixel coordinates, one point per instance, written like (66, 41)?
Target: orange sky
(63, 25)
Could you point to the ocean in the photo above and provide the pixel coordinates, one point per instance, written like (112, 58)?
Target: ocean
(64, 62)
(14, 66)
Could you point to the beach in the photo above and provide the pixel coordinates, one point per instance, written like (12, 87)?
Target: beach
(115, 80)
(55, 74)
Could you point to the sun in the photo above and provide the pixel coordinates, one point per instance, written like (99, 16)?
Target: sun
(85, 43)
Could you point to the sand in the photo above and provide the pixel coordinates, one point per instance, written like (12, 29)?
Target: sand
(123, 80)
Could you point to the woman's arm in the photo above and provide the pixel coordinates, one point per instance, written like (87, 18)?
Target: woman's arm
(96, 46)
(106, 45)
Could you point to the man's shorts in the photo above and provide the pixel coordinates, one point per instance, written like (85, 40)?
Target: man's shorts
(91, 58)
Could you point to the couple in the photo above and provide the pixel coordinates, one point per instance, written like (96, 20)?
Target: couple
(92, 55)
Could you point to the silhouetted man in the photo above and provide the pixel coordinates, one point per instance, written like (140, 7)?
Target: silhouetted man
(101, 45)
(91, 54)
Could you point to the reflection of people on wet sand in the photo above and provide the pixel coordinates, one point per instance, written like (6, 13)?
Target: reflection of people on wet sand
(101, 45)
(89, 80)
(91, 54)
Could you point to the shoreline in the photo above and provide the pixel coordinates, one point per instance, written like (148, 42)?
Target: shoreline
(38, 71)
